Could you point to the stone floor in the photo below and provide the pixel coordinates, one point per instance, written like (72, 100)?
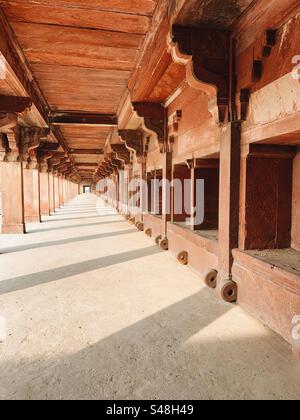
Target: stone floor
(95, 310)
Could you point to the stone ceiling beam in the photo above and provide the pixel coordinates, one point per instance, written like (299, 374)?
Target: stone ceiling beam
(83, 119)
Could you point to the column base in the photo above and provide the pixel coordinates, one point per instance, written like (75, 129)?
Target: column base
(17, 229)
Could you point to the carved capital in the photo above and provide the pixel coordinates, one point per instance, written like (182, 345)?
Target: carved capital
(3, 146)
(32, 162)
(53, 163)
(43, 160)
(13, 151)
(10, 138)
(30, 139)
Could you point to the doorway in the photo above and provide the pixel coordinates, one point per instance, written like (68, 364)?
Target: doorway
(87, 189)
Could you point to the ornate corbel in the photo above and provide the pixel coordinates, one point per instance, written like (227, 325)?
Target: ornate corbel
(155, 120)
(13, 151)
(30, 138)
(118, 164)
(43, 159)
(104, 169)
(65, 168)
(205, 53)
(53, 163)
(70, 172)
(134, 141)
(32, 162)
(60, 167)
(122, 152)
(3, 146)
(10, 137)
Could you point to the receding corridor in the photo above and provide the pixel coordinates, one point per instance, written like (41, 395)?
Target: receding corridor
(95, 309)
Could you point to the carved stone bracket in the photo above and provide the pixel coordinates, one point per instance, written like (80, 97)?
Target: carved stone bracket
(134, 140)
(3, 146)
(13, 151)
(43, 159)
(30, 138)
(32, 162)
(205, 53)
(117, 163)
(61, 167)
(122, 152)
(65, 168)
(54, 163)
(155, 120)
(10, 138)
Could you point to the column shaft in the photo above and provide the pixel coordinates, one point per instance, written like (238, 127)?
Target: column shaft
(11, 187)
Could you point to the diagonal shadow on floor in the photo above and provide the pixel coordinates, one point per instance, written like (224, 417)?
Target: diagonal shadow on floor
(78, 218)
(48, 276)
(158, 357)
(75, 226)
(66, 241)
(66, 213)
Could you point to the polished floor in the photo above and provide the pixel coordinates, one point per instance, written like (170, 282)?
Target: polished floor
(94, 310)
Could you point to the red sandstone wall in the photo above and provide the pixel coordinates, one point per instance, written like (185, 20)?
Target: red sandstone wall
(198, 133)
(296, 204)
(275, 97)
(154, 158)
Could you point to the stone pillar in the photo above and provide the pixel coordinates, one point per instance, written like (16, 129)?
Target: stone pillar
(61, 191)
(46, 191)
(69, 190)
(30, 140)
(192, 193)
(44, 194)
(11, 186)
(65, 191)
(229, 207)
(143, 189)
(130, 175)
(51, 193)
(166, 198)
(67, 198)
(11, 180)
(56, 193)
(31, 194)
